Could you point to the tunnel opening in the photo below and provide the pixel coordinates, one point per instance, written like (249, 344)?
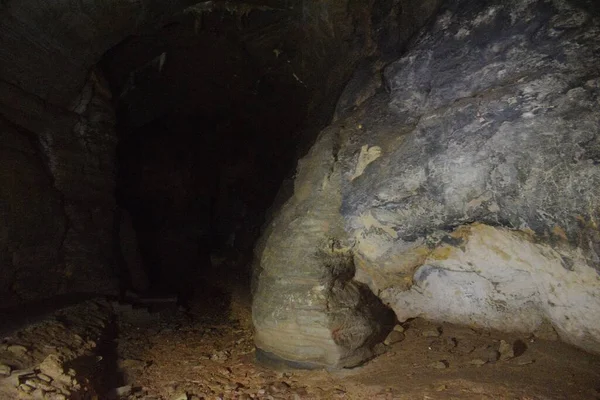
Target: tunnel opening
(213, 113)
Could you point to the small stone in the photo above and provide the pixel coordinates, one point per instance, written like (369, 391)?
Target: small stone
(131, 364)
(122, 391)
(506, 351)
(441, 388)
(399, 328)
(229, 387)
(488, 353)
(52, 366)
(279, 387)
(439, 365)
(26, 388)
(44, 377)
(5, 370)
(39, 384)
(219, 356)
(17, 349)
(431, 333)
(393, 337)
(379, 349)
(443, 344)
(54, 396)
(180, 396)
(478, 362)
(525, 362)
(546, 332)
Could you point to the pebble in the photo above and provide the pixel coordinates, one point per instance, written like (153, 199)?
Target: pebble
(506, 350)
(180, 396)
(122, 391)
(51, 366)
(17, 349)
(393, 337)
(5, 370)
(431, 333)
(525, 362)
(478, 362)
(44, 377)
(54, 396)
(219, 356)
(488, 353)
(39, 384)
(439, 365)
(279, 387)
(26, 388)
(399, 328)
(443, 344)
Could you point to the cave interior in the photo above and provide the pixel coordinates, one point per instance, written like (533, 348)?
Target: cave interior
(149, 162)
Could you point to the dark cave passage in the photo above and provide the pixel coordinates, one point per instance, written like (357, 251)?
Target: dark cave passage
(209, 128)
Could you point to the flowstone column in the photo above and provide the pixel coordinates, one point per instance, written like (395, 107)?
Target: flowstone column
(307, 310)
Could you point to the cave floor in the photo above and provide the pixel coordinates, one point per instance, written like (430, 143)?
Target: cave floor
(120, 351)
(202, 353)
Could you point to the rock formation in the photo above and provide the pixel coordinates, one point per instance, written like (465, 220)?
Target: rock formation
(466, 192)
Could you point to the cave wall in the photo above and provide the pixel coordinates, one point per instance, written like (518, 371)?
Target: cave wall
(466, 191)
(58, 198)
(57, 116)
(33, 218)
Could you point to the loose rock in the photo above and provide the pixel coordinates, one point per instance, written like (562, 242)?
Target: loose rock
(525, 362)
(44, 377)
(394, 337)
(506, 351)
(431, 333)
(122, 391)
(478, 362)
(17, 349)
(439, 365)
(26, 388)
(5, 370)
(54, 396)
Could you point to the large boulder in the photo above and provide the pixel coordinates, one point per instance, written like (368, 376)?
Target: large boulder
(468, 192)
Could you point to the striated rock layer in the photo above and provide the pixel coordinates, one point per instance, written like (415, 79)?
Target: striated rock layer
(467, 192)
(57, 195)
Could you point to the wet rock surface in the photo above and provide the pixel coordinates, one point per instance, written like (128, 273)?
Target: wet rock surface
(467, 193)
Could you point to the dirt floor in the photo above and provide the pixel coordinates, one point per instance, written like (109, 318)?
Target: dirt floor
(103, 349)
(204, 354)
